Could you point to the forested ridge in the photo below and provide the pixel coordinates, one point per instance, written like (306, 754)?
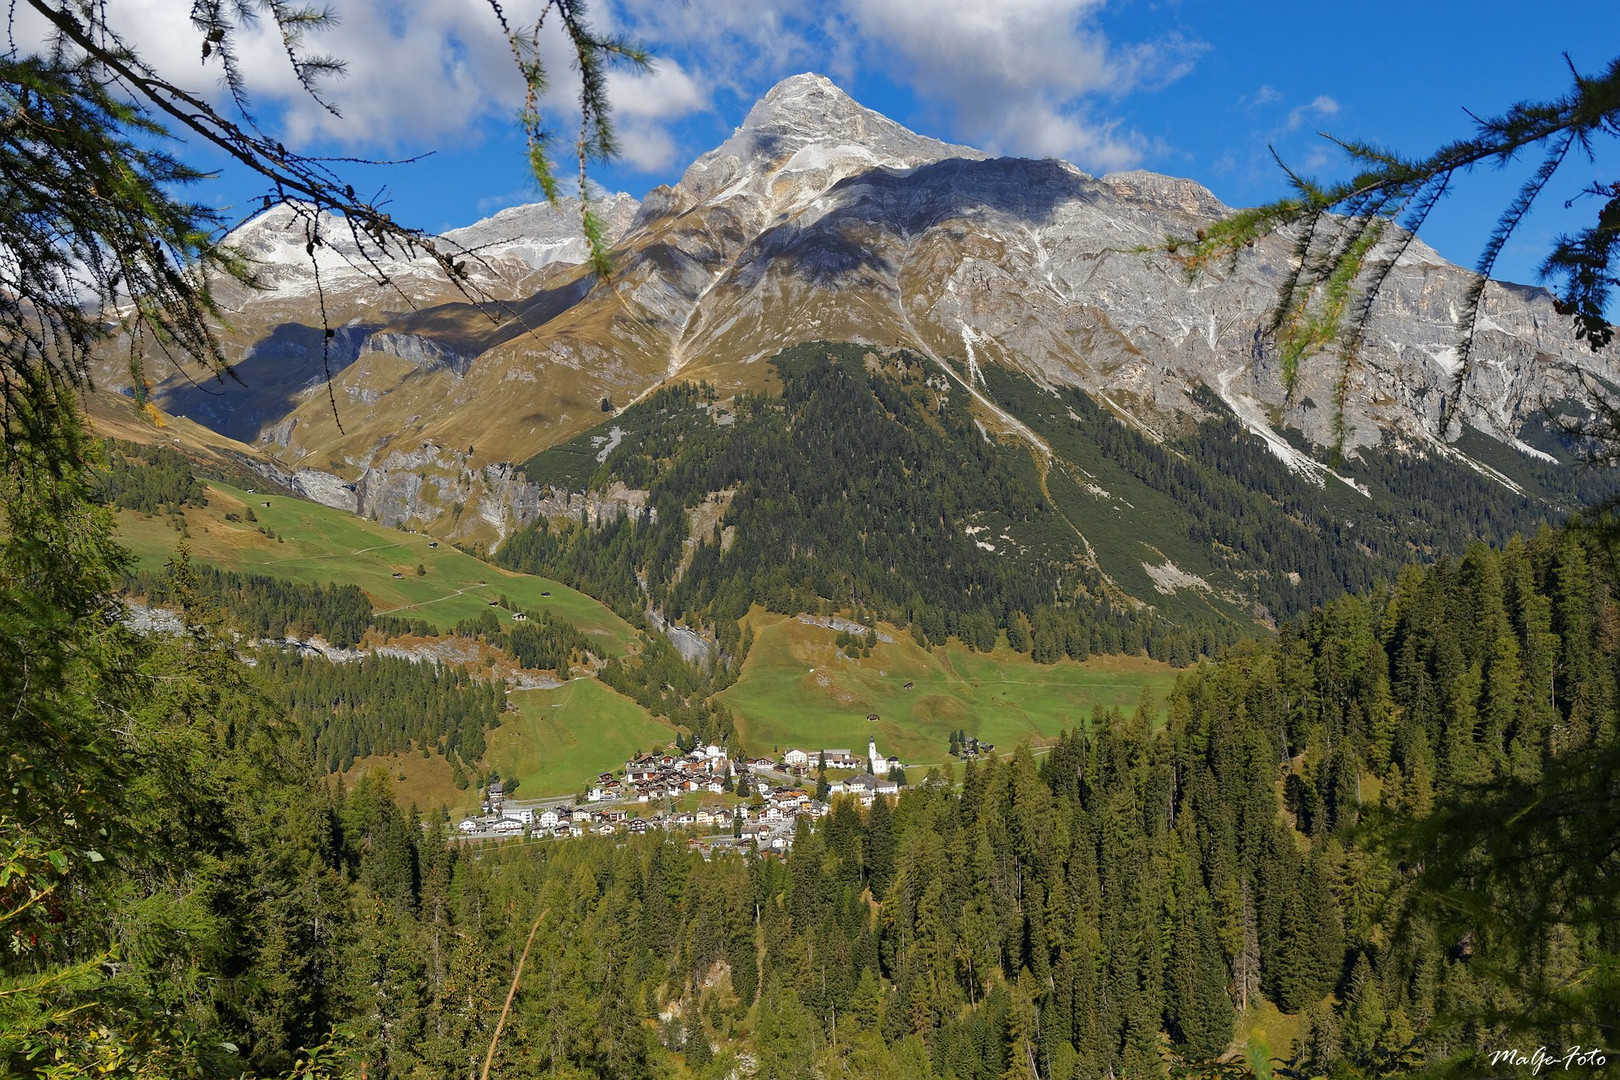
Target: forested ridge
(151, 479)
(854, 486)
(259, 605)
(380, 705)
(869, 485)
(1101, 907)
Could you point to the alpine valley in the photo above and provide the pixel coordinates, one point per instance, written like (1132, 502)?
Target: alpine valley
(910, 356)
(898, 624)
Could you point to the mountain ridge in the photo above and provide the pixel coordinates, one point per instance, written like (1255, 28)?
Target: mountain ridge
(820, 220)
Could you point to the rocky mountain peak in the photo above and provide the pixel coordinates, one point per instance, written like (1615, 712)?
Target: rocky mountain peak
(798, 140)
(810, 108)
(540, 234)
(818, 219)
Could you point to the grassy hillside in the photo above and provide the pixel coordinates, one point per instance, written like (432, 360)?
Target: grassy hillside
(306, 542)
(554, 744)
(797, 689)
(559, 740)
(422, 782)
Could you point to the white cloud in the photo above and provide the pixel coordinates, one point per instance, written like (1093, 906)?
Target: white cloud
(1017, 76)
(739, 44)
(665, 91)
(1321, 105)
(417, 72)
(646, 146)
(644, 102)
(1266, 95)
(1022, 76)
(1040, 129)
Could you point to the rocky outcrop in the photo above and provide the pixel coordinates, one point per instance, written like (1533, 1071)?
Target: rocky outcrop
(693, 646)
(847, 626)
(425, 352)
(510, 500)
(326, 489)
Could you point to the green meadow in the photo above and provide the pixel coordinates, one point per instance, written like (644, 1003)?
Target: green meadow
(559, 740)
(315, 543)
(797, 689)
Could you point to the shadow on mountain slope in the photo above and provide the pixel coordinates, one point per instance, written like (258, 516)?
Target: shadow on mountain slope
(267, 383)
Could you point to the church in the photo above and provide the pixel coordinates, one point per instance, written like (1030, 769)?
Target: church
(879, 765)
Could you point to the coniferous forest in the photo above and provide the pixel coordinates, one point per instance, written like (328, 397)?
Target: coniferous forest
(866, 483)
(1372, 828)
(1389, 827)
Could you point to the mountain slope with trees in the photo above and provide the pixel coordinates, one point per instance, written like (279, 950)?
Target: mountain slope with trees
(1108, 907)
(872, 484)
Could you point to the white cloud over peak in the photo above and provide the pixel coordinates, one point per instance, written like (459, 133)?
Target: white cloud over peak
(1009, 73)
(1036, 77)
(644, 102)
(1016, 76)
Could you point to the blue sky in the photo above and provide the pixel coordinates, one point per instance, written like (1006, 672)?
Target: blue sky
(1197, 88)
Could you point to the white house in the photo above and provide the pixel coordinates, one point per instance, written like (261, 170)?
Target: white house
(508, 825)
(470, 825)
(524, 814)
(865, 786)
(549, 818)
(796, 759)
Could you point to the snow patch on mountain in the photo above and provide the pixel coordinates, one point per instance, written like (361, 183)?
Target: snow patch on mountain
(1249, 414)
(1167, 577)
(608, 442)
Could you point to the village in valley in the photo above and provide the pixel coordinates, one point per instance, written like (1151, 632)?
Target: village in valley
(740, 800)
